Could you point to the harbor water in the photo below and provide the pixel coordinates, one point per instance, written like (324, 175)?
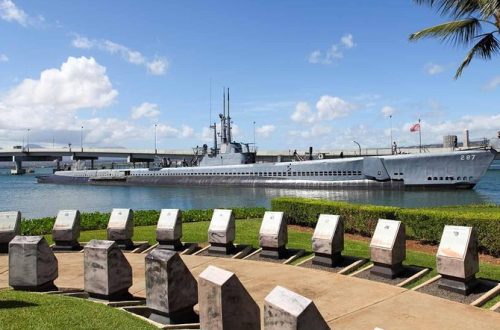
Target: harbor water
(35, 200)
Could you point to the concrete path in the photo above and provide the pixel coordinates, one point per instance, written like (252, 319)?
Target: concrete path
(345, 302)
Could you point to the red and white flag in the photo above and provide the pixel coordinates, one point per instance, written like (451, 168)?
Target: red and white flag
(415, 127)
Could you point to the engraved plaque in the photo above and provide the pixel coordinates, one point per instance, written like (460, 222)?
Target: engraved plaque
(66, 219)
(326, 226)
(271, 223)
(168, 218)
(454, 241)
(119, 218)
(220, 220)
(385, 233)
(9, 221)
(458, 258)
(222, 227)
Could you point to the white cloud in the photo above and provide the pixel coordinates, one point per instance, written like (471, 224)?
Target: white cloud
(332, 107)
(328, 108)
(186, 131)
(314, 131)
(265, 130)
(148, 110)
(315, 56)
(335, 52)
(51, 101)
(4, 58)
(433, 69)
(347, 41)
(387, 111)
(478, 125)
(157, 66)
(303, 113)
(82, 42)
(493, 83)
(11, 13)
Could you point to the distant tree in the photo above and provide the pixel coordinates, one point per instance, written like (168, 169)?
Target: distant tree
(470, 19)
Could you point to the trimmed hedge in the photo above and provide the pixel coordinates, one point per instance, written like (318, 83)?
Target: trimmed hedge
(424, 224)
(98, 220)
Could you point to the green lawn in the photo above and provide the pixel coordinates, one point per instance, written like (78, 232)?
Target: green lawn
(26, 310)
(247, 232)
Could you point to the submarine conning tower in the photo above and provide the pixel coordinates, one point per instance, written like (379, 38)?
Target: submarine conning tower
(227, 151)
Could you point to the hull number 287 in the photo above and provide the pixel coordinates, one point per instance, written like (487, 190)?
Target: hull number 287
(467, 157)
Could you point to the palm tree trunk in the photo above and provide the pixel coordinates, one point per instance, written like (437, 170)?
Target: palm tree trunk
(497, 19)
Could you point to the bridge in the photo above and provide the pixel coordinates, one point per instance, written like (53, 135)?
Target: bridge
(19, 155)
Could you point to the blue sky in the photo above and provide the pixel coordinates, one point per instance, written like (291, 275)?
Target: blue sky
(319, 73)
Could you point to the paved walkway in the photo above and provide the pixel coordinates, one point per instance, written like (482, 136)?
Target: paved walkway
(345, 302)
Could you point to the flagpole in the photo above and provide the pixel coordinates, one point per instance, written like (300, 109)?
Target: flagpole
(419, 136)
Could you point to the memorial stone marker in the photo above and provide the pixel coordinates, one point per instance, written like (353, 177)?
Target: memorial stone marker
(9, 227)
(32, 264)
(287, 310)
(458, 259)
(224, 303)
(273, 235)
(107, 273)
(221, 232)
(328, 240)
(121, 227)
(169, 229)
(388, 248)
(66, 230)
(171, 289)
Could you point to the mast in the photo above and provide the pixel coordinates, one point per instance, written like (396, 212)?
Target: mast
(214, 127)
(223, 117)
(228, 120)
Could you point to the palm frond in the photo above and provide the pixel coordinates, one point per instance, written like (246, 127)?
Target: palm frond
(484, 48)
(455, 8)
(489, 8)
(457, 32)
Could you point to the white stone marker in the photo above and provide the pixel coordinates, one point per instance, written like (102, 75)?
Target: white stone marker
(457, 259)
(107, 273)
(388, 248)
(66, 230)
(224, 303)
(273, 235)
(121, 227)
(287, 310)
(169, 229)
(32, 264)
(9, 227)
(171, 289)
(328, 240)
(221, 232)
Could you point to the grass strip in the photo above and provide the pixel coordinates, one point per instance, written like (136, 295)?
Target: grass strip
(26, 310)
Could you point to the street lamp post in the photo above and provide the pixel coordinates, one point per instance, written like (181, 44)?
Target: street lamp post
(254, 134)
(390, 118)
(358, 147)
(156, 151)
(28, 140)
(81, 139)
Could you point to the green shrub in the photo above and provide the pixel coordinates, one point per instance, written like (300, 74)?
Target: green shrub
(360, 219)
(98, 220)
(427, 225)
(424, 224)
